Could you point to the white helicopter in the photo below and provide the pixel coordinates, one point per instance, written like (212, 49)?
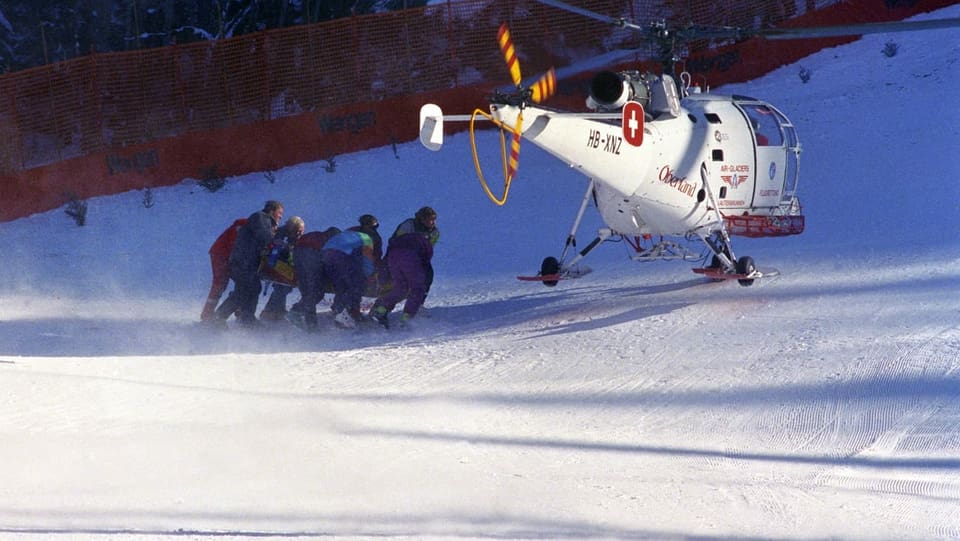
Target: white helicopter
(663, 159)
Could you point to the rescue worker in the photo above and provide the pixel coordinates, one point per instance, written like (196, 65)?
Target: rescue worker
(347, 263)
(308, 268)
(220, 265)
(251, 244)
(281, 249)
(409, 260)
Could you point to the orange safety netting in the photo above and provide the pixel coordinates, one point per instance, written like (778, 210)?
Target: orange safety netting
(113, 100)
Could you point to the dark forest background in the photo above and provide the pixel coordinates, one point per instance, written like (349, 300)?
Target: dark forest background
(37, 32)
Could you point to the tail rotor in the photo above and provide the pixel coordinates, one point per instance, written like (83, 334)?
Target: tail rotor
(541, 90)
(538, 92)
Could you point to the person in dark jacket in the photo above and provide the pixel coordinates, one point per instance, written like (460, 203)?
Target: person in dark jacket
(281, 249)
(409, 260)
(308, 268)
(252, 241)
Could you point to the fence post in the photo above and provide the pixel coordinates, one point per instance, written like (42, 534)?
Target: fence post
(313, 67)
(15, 119)
(355, 34)
(98, 97)
(224, 80)
(453, 45)
(178, 77)
(265, 74)
(52, 107)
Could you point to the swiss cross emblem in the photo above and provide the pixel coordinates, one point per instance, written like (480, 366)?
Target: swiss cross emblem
(633, 123)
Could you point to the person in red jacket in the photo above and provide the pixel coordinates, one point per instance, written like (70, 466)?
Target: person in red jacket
(220, 265)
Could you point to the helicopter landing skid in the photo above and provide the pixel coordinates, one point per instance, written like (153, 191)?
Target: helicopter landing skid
(717, 273)
(555, 277)
(666, 251)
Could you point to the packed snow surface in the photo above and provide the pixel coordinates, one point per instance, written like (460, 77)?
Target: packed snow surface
(640, 401)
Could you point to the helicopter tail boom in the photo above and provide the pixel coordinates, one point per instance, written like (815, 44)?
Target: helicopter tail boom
(431, 125)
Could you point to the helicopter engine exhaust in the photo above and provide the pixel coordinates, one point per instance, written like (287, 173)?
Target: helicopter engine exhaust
(610, 90)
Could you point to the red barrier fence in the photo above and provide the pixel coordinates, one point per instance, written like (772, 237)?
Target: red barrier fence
(113, 122)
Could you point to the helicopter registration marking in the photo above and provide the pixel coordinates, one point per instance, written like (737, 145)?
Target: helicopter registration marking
(611, 143)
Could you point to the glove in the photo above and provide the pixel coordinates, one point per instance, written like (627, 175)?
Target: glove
(272, 258)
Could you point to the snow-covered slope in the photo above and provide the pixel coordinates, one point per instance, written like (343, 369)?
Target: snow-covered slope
(639, 402)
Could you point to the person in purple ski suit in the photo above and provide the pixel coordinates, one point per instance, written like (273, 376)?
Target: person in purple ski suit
(409, 260)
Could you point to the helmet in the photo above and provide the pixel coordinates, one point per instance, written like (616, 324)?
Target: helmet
(426, 212)
(369, 221)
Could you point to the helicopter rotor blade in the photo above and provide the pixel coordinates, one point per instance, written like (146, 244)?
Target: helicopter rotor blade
(538, 91)
(509, 53)
(622, 23)
(696, 32)
(513, 161)
(544, 87)
(858, 29)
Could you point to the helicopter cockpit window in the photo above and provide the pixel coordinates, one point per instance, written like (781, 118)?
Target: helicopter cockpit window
(765, 126)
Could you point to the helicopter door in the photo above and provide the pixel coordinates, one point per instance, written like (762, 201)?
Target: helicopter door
(788, 200)
(771, 154)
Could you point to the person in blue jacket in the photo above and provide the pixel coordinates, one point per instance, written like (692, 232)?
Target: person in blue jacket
(368, 223)
(348, 260)
(308, 268)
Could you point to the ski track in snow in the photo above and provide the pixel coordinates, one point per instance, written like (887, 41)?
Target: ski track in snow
(707, 381)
